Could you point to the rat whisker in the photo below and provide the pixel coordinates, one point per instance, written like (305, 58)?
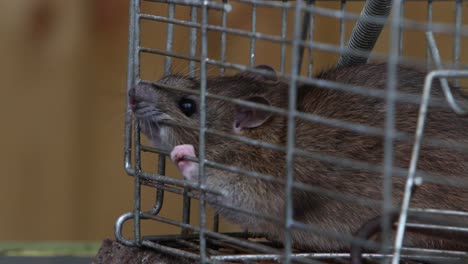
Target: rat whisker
(179, 66)
(150, 128)
(145, 110)
(169, 136)
(160, 117)
(192, 72)
(150, 114)
(142, 111)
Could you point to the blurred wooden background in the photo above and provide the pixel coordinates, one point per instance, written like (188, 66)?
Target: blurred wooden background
(63, 73)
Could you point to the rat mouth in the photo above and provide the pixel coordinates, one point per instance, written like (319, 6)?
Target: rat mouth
(146, 112)
(150, 121)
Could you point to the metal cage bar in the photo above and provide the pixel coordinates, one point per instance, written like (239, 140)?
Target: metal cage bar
(429, 25)
(436, 28)
(201, 153)
(193, 50)
(223, 40)
(457, 38)
(342, 23)
(310, 64)
(253, 40)
(411, 176)
(296, 53)
(401, 28)
(284, 19)
(204, 245)
(391, 90)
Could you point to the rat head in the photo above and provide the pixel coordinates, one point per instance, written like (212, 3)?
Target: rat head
(159, 109)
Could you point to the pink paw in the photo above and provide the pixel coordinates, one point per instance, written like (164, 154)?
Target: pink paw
(188, 169)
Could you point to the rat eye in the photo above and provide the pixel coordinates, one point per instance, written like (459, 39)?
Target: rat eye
(187, 106)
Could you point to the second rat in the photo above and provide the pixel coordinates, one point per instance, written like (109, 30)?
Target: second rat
(156, 107)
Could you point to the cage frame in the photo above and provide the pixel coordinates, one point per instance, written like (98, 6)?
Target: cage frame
(349, 55)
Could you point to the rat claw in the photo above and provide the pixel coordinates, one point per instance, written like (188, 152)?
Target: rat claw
(188, 169)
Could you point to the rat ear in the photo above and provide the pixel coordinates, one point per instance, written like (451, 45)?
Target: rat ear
(269, 73)
(248, 117)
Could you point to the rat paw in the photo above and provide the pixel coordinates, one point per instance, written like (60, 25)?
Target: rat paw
(188, 168)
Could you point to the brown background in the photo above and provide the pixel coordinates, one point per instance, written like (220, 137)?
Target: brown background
(63, 75)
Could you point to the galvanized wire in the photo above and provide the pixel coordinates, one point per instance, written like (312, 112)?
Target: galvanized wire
(253, 29)
(202, 130)
(457, 38)
(291, 130)
(429, 26)
(284, 19)
(302, 38)
(342, 23)
(390, 100)
(436, 27)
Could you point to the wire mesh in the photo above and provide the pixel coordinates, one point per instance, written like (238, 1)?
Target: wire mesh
(297, 42)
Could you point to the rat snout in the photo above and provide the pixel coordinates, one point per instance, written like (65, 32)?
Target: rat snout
(131, 97)
(141, 95)
(137, 94)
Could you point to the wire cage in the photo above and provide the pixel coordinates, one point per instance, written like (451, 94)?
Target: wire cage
(296, 46)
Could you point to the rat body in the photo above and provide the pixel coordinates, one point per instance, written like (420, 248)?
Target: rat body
(154, 105)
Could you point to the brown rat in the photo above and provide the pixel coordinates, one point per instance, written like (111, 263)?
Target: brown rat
(155, 105)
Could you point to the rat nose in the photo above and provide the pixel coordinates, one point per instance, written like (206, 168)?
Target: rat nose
(131, 96)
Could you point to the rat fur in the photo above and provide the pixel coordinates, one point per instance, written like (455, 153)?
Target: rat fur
(153, 105)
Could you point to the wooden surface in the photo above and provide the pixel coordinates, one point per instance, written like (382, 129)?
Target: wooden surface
(113, 252)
